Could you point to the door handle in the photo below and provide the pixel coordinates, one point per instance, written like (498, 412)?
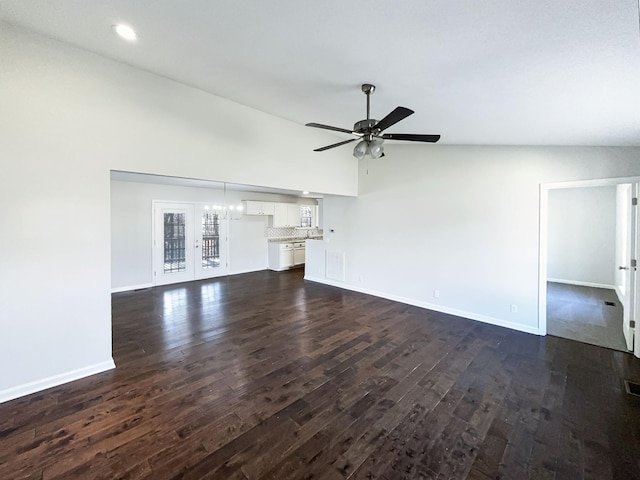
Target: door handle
(623, 268)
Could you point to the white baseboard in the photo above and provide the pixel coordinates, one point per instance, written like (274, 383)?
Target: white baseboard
(54, 381)
(430, 306)
(131, 287)
(581, 284)
(619, 295)
(249, 270)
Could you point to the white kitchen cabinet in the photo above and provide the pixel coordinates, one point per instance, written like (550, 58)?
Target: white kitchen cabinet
(268, 208)
(281, 256)
(293, 215)
(286, 215)
(252, 207)
(280, 216)
(298, 253)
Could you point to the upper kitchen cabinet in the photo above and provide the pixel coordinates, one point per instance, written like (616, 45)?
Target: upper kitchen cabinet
(293, 215)
(286, 215)
(252, 207)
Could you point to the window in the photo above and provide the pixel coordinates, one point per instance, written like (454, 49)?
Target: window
(305, 216)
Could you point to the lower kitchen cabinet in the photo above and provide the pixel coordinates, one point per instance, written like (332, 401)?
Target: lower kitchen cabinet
(298, 253)
(280, 256)
(283, 256)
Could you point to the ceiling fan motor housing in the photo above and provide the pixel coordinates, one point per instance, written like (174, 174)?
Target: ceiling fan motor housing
(365, 127)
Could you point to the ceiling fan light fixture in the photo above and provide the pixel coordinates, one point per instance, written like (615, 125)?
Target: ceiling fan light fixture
(376, 150)
(360, 150)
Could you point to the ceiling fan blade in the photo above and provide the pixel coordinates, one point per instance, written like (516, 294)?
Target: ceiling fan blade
(411, 138)
(400, 113)
(329, 127)
(322, 149)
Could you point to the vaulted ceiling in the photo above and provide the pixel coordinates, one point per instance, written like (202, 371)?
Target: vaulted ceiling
(500, 72)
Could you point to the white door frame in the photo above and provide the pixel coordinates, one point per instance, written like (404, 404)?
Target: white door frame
(543, 252)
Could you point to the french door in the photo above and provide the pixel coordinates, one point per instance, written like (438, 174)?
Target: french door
(190, 242)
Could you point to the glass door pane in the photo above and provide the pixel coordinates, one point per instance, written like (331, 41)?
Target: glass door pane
(173, 243)
(210, 240)
(212, 258)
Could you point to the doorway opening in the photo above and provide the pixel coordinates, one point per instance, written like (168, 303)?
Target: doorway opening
(587, 273)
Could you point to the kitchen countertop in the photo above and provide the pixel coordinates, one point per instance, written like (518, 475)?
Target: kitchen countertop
(293, 239)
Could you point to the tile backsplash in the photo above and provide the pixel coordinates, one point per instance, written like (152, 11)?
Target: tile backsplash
(290, 232)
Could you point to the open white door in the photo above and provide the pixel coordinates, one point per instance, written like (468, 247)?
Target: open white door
(626, 254)
(634, 286)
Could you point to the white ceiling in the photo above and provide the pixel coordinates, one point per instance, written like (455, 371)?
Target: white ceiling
(501, 72)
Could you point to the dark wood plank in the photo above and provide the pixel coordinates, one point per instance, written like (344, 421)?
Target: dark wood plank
(263, 375)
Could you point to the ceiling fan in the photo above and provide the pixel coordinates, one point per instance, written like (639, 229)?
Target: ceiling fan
(369, 131)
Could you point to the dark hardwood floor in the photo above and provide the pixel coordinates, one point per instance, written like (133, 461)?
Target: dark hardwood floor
(265, 376)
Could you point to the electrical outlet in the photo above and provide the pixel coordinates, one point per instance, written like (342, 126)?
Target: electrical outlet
(513, 308)
(436, 294)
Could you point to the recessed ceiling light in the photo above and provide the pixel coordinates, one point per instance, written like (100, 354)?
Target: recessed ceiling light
(126, 32)
(305, 193)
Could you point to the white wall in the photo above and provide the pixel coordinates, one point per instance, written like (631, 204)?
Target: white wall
(460, 220)
(131, 228)
(68, 118)
(581, 230)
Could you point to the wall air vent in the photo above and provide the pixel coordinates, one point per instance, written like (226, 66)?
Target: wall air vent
(632, 388)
